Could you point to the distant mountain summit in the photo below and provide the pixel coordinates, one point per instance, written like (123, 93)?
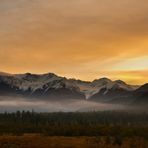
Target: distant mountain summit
(49, 86)
(141, 94)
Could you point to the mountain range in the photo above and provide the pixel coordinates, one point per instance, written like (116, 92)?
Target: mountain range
(52, 87)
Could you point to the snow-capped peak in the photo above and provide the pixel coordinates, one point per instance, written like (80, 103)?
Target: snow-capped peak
(49, 80)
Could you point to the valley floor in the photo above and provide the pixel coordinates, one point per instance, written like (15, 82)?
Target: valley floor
(38, 141)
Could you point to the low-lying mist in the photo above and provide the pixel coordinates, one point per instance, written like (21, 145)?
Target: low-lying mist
(12, 104)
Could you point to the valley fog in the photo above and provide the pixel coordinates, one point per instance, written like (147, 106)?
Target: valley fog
(11, 104)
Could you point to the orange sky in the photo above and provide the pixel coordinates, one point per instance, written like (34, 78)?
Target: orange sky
(84, 39)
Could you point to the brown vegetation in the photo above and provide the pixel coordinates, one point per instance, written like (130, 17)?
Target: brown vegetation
(38, 141)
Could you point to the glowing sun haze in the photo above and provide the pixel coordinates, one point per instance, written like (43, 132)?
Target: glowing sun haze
(85, 39)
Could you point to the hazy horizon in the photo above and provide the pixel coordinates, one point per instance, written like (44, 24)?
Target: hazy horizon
(93, 79)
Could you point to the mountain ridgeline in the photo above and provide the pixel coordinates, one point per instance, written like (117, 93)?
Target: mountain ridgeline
(52, 87)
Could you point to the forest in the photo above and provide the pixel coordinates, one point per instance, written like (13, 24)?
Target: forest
(105, 123)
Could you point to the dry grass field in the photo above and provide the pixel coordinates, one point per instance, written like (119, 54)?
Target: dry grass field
(37, 141)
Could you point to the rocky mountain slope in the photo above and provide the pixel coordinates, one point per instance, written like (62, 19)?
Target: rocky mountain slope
(51, 86)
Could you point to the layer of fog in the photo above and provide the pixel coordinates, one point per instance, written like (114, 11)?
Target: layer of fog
(12, 104)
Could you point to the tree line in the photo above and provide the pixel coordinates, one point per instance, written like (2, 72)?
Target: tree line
(106, 123)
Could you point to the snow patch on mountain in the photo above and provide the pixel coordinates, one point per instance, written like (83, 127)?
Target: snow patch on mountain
(47, 81)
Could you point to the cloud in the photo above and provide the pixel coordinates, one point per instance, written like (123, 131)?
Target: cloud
(75, 38)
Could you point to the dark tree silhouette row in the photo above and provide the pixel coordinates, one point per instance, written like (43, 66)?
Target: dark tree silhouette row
(75, 124)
